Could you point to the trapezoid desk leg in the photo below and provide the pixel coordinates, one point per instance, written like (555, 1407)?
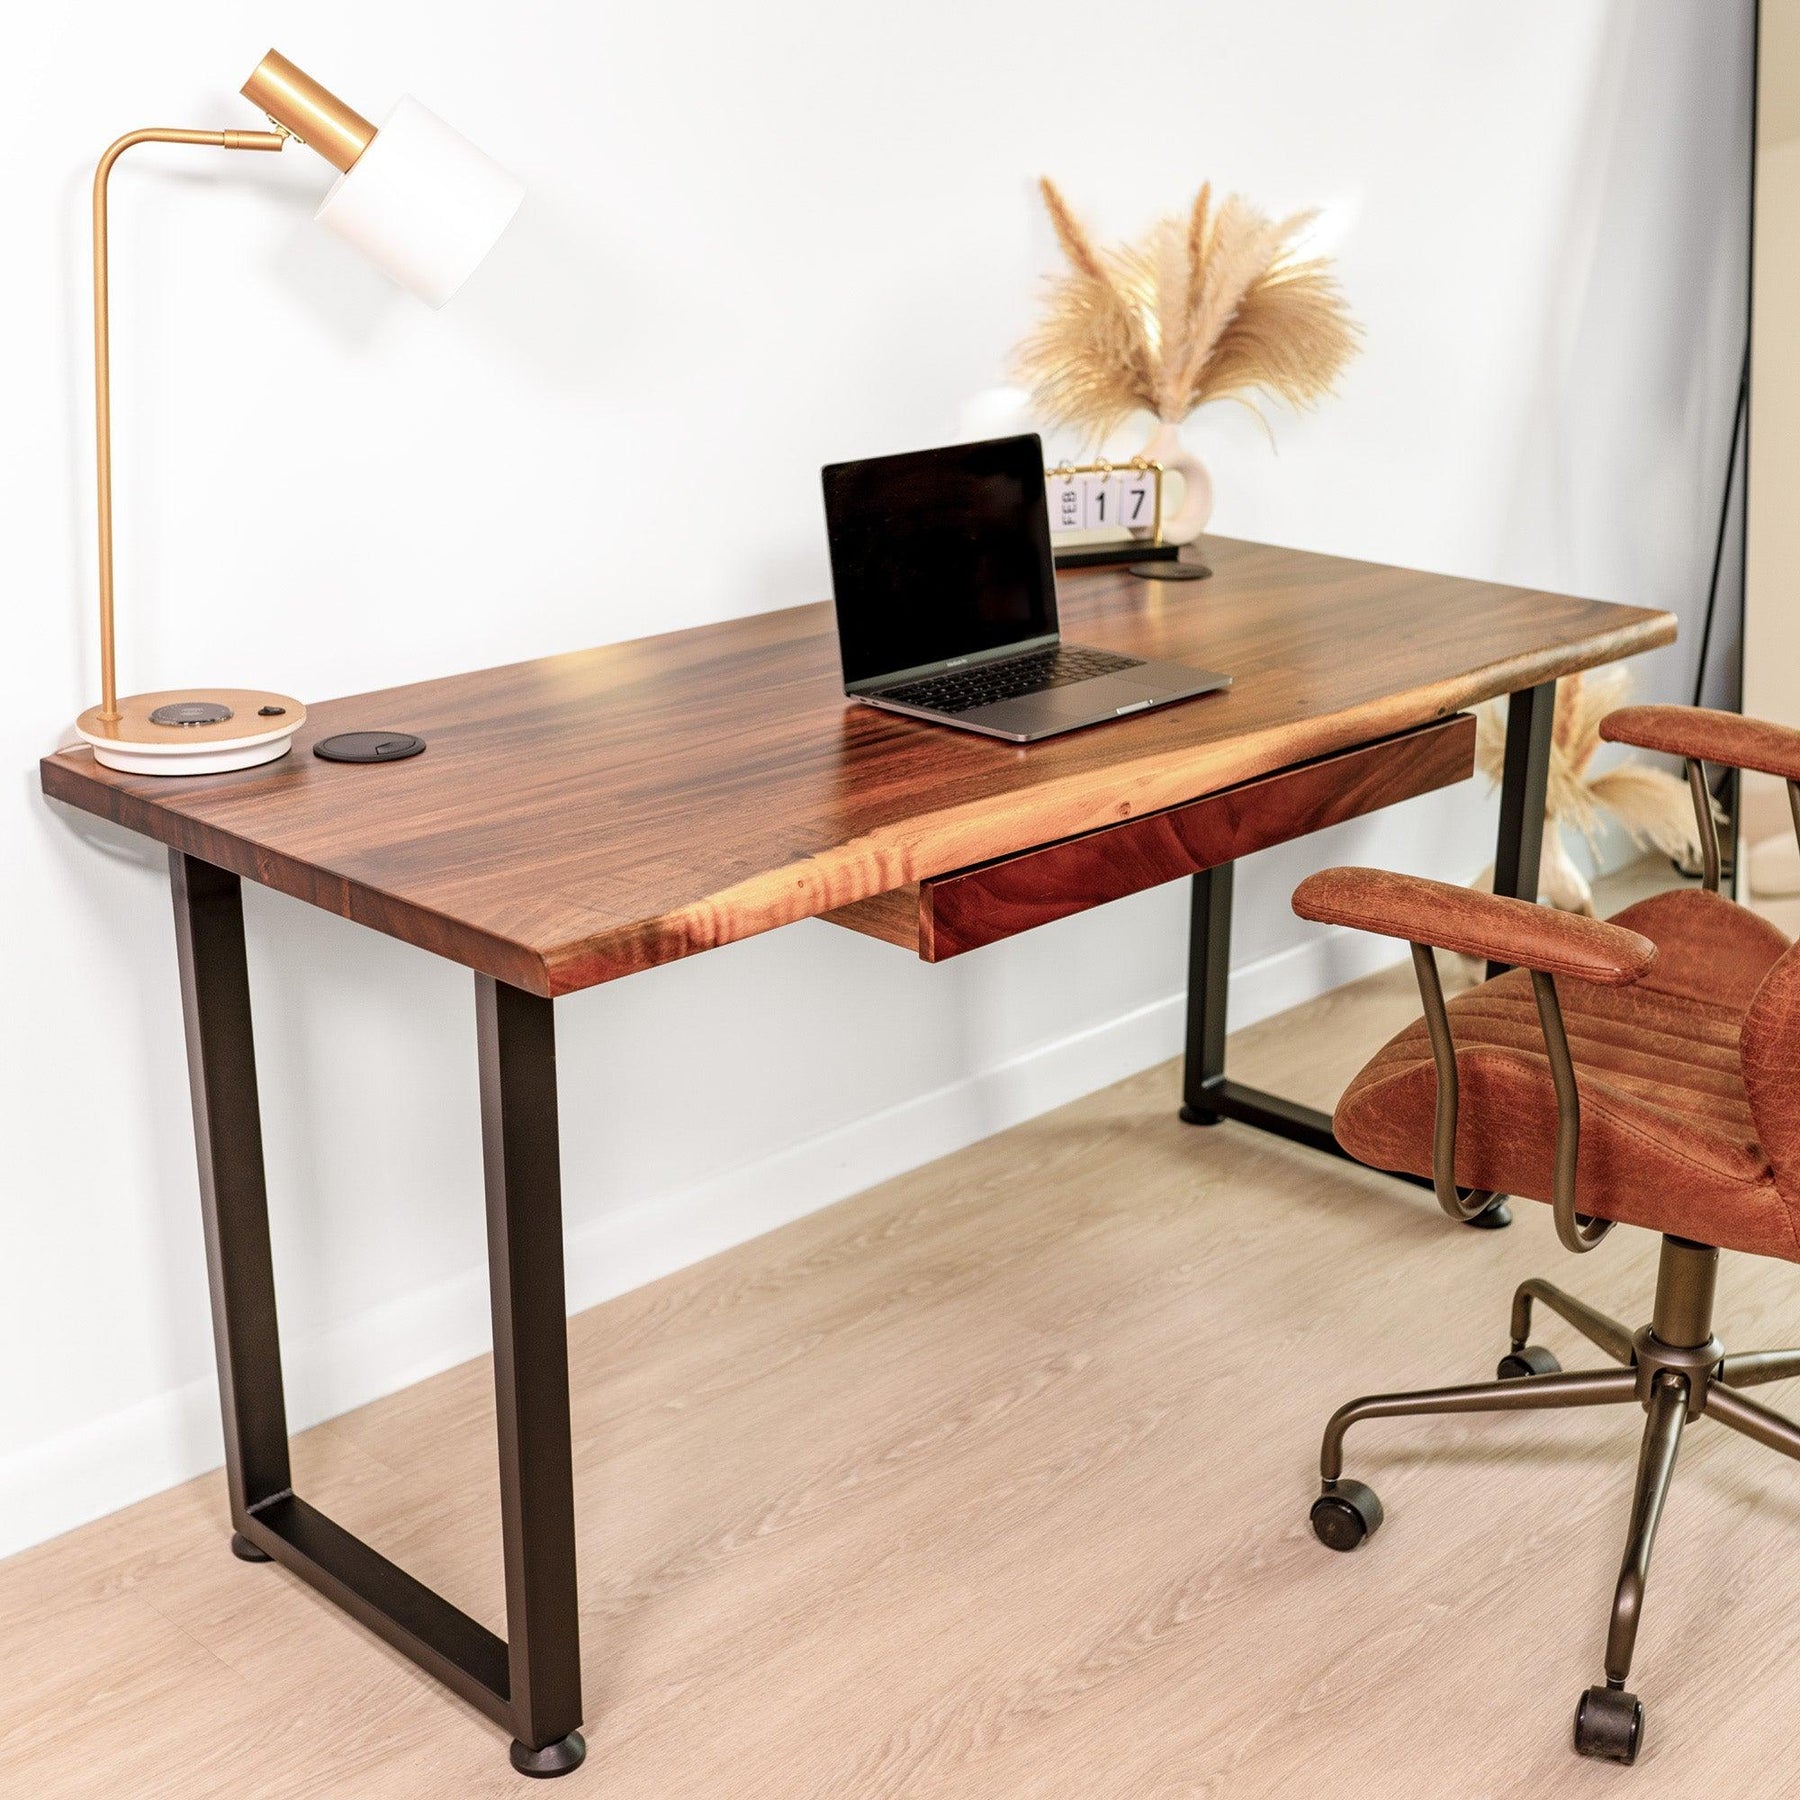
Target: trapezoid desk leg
(234, 1205)
(531, 1682)
(522, 1159)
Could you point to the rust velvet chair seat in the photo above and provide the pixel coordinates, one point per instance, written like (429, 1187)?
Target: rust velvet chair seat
(1667, 1137)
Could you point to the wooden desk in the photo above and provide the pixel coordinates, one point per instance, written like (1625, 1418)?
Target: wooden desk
(589, 815)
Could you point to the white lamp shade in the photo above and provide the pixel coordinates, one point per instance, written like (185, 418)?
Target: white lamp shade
(422, 203)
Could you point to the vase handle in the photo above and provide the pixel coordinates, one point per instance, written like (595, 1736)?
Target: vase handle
(1188, 521)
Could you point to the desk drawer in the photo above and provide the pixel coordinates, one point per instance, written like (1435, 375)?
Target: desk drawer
(948, 914)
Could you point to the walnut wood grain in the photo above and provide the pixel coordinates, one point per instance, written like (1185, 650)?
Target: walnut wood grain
(587, 815)
(951, 914)
(898, 917)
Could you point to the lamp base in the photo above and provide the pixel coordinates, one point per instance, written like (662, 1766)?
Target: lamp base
(193, 731)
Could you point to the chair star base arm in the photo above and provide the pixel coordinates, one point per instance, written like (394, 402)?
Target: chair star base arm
(1754, 1367)
(1587, 1387)
(1678, 1374)
(1600, 1330)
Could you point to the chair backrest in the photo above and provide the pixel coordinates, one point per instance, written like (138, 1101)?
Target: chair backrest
(1769, 1052)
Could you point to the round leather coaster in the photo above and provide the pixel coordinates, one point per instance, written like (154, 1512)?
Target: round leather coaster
(1170, 571)
(368, 746)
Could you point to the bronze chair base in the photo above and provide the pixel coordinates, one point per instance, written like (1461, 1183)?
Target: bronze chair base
(1674, 1368)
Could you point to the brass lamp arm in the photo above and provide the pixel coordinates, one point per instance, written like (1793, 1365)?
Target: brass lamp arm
(1577, 1231)
(222, 140)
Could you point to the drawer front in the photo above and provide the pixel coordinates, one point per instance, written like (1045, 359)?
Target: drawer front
(948, 914)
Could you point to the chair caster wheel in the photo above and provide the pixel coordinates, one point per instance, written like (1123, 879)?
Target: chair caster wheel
(245, 1551)
(1345, 1514)
(1534, 1359)
(1493, 1218)
(1609, 1723)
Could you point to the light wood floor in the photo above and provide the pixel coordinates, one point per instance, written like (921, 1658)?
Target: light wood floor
(993, 1482)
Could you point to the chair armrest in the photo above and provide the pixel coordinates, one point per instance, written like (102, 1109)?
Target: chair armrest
(1434, 915)
(1485, 925)
(1702, 734)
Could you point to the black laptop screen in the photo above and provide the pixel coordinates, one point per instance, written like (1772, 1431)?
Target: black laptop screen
(939, 554)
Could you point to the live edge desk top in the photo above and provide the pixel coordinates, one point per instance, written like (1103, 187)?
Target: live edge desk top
(580, 817)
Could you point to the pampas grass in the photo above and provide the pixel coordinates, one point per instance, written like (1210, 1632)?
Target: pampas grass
(1213, 306)
(1653, 806)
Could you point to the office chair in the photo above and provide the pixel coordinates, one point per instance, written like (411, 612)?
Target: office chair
(1640, 1071)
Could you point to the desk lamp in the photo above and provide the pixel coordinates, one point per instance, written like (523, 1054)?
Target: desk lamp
(425, 206)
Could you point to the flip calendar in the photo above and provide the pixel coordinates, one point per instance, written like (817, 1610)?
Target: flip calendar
(1123, 498)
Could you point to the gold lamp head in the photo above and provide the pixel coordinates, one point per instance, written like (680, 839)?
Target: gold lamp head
(308, 113)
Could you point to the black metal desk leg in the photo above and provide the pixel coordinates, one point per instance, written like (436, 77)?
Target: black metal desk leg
(1209, 985)
(531, 1372)
(215, 1004)
(1530, 717)
(1208, 1094)
(532, 1683)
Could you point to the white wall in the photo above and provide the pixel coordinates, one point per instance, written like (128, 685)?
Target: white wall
(761, 237)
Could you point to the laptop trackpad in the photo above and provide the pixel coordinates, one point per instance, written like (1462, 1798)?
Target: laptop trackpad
(1081, 702)
(1108, 694)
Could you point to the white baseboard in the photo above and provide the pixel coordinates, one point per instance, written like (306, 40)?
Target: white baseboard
(109, 1462)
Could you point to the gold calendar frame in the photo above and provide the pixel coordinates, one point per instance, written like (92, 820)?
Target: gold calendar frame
(1137, 465)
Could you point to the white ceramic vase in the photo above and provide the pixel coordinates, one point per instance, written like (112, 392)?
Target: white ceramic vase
(1188, 520)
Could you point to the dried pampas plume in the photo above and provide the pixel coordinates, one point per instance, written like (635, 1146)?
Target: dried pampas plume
(1214, 306)
(1654, 807)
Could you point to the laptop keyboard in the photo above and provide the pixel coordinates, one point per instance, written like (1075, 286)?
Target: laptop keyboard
(970, 688)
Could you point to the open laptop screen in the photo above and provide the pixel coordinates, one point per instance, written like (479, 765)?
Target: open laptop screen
(939, 554)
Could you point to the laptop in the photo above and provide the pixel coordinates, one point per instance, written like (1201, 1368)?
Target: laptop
(946, 599)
